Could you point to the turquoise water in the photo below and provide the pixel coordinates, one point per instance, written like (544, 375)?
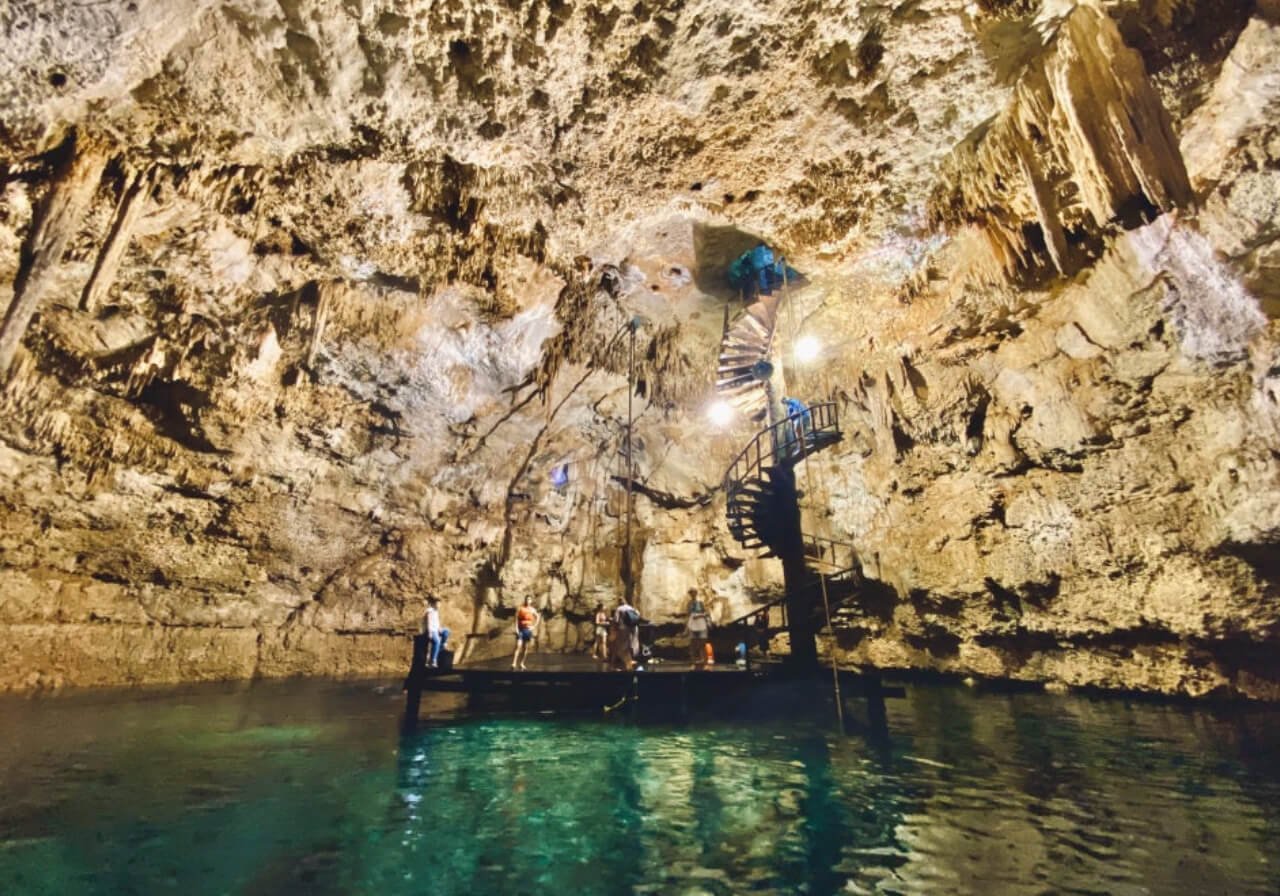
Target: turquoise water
(309, 788)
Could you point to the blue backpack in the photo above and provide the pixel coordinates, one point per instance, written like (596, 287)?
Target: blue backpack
(631, 616)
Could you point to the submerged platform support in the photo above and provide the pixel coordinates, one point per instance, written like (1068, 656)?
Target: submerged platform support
(413, 683)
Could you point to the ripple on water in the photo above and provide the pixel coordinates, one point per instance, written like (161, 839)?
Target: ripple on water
(307, 789)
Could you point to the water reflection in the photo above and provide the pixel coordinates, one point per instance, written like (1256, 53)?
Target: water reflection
(307, 789)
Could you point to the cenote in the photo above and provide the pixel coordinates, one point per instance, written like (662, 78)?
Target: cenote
(380, 379)
(311, 788)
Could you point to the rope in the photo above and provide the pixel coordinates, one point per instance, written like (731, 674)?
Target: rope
(822, 576)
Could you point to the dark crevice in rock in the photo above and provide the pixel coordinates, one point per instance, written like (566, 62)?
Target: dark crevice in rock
(173, 407)
(1263, 558)
(935, 640)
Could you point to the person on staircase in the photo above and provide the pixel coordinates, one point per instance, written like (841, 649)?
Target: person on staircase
(699, 628)
(758, 272)
(763, 264)
(801, 423)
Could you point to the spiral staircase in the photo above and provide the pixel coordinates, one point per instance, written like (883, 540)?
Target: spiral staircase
(745, 344)
(760, 504)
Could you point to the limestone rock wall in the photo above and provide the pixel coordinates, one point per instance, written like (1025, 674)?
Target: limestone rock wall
(1084, 141)
(304, 301)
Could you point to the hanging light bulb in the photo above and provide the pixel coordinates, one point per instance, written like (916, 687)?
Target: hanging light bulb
(807, 349)
(720, 413)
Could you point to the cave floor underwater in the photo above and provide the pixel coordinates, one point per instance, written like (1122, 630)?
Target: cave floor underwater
(309, 787)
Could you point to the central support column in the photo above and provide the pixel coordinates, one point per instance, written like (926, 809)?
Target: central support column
(787, 541)
(795, 574)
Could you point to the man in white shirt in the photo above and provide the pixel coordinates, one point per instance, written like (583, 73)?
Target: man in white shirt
(436, 634)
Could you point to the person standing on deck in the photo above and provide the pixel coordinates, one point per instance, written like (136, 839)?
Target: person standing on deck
(527, 619)
(699, 628)
(626, 635)
(761, 626)
(600, 647)
(436, 635)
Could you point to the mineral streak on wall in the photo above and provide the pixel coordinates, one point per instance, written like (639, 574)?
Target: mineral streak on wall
(303, 303)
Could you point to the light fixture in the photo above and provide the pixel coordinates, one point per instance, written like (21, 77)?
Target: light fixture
(720, 413)
(807, 349)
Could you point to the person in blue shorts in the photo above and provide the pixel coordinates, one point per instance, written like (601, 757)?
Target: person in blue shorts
(527, 619)
(436, 634)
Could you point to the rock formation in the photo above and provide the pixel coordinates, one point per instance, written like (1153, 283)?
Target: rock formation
(1085, 141)
(305, 299)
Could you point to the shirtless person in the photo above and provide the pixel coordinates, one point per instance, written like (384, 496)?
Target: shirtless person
(527, 619)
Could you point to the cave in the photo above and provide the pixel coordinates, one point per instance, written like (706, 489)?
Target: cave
(317, 310)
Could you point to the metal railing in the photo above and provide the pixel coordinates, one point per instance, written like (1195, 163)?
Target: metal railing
(836, 555)
(789, 439)
(776, 604)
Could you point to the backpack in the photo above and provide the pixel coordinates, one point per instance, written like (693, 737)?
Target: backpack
(630, 616)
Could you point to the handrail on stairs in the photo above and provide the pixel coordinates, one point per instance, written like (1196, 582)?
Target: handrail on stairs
(781, 601)
(791, 435)
(840, 555)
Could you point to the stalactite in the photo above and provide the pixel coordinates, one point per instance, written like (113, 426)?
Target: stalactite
(323, 306)
(1085, 142)
(56, 221)
(133, 201)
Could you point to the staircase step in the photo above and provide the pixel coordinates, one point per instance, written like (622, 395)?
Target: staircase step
(748, 404)
(742, 358)
(749, 354)
(744, 343)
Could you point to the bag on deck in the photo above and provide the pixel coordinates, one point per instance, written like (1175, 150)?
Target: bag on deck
(444, 660)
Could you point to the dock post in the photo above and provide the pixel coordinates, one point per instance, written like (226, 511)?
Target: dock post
(877, 716)
(413, 683)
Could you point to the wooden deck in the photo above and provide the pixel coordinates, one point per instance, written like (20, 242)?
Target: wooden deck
(581, 664)
(577, 682)
(559, 679)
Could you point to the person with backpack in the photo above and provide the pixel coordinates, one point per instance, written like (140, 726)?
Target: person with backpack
(626, 632)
